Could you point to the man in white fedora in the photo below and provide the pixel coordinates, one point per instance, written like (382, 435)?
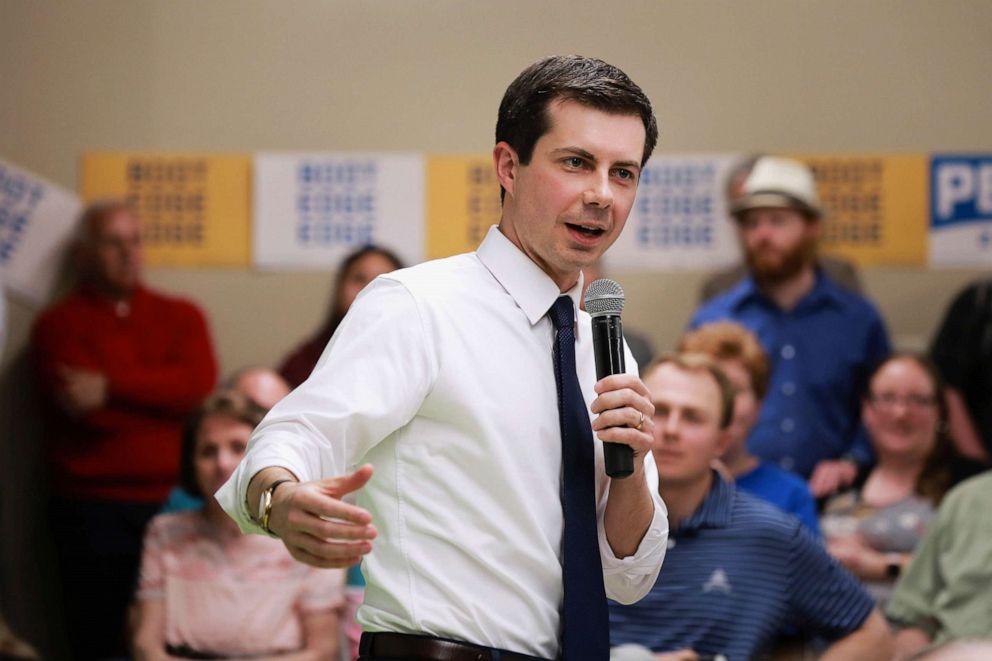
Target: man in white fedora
(823, 339)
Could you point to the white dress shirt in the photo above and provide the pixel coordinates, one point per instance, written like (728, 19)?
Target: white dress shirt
(441, 376)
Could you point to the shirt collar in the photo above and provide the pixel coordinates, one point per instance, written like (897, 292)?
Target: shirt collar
(531, 288)
(714, 512)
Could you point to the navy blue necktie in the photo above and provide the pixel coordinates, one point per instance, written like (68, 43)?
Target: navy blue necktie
(585, 620)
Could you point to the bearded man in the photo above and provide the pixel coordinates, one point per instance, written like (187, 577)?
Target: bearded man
(823, 340)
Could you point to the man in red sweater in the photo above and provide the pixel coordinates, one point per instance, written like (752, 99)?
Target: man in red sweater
(120, 367)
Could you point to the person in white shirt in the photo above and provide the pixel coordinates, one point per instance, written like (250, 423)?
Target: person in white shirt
(441, 376)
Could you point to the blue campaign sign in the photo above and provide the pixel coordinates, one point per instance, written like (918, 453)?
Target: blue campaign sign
(960, 189)
(336, 201)
(961, 210)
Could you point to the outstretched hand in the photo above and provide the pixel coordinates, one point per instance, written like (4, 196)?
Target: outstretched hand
(317, 526)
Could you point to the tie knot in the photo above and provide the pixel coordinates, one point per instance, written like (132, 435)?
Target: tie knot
(562, 313)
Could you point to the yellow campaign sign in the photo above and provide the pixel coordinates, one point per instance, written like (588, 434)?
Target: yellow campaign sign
(194, 208)
(462, 202)
(876, 207)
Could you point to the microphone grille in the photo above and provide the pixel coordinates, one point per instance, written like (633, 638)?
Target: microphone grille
(604, 297)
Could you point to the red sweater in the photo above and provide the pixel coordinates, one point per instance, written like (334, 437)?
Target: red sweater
(160, 364)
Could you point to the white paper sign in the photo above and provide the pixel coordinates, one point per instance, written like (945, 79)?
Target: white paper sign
(37, 219)
(312, 209)
(679, 219)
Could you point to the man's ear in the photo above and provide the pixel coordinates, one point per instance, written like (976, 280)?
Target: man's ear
(506, 162)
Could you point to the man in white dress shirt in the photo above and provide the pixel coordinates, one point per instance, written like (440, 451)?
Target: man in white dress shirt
(441, 378)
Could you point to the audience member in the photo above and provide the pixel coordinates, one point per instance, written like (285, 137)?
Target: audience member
(639, 344)
(120, 367)
(823, 340)
(874, 527)
(962, 351)
(208, 592)
(737, 568)
(745, 365)
(944, 593)
(357, 270)
(838, 269)
(261, 385)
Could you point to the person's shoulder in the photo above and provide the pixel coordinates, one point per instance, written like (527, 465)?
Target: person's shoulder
(721, 306)
(781, 478)
(975, 493)
(66, 307)
(761, 518)
(177, 303)
(440, 278)
(174, 527)
(435, 271)
(853, 302)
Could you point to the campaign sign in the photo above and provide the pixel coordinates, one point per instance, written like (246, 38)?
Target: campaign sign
(312, 209)
(462, 203)
(679, 219)
(37, 219)
(193, 207)
(961, 210)
(874, 207)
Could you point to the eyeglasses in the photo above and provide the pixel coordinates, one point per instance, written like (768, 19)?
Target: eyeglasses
(888, 401)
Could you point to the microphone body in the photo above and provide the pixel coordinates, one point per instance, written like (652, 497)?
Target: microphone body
(604, 302)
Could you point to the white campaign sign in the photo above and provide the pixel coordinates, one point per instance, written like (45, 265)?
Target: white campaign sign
(679, 219)
(312, 209)
(37, 219)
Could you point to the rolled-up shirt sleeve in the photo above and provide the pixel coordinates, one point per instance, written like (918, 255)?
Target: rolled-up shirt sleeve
(369, 382)
(628, 579)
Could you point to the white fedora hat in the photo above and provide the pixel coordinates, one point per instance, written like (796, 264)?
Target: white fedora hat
(779, 183)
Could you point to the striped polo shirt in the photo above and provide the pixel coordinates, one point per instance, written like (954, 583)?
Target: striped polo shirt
(736, 571)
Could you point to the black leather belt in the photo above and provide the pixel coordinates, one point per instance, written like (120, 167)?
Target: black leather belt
(425, 648)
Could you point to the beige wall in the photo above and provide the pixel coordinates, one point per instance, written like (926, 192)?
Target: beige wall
(226, 75)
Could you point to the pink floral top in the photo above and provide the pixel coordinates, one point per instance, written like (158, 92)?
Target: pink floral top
(228, 593)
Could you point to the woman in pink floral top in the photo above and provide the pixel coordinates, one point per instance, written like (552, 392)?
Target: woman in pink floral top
(208, 592)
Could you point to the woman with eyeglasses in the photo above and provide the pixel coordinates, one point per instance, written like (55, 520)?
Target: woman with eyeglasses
(873, 528)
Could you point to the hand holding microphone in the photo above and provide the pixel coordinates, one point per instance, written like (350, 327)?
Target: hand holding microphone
(604, 302)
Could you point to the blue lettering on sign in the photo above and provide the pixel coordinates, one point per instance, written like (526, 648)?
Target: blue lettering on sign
(677, 205)
(960, 189)
(19, 197)
(336, 202)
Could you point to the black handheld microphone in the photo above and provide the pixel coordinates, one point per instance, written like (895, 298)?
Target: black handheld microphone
(604, 303)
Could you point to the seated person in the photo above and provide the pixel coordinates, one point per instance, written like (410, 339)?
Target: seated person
(944, 594)
(208, 592)
(262, 385)
(357, 270)
(743, 361)
(737, 568)
(874, 527)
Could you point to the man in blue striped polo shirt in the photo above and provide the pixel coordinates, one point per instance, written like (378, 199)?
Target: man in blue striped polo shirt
(737, 568)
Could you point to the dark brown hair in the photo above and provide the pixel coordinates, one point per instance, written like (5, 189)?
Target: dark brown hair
(523, 113)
